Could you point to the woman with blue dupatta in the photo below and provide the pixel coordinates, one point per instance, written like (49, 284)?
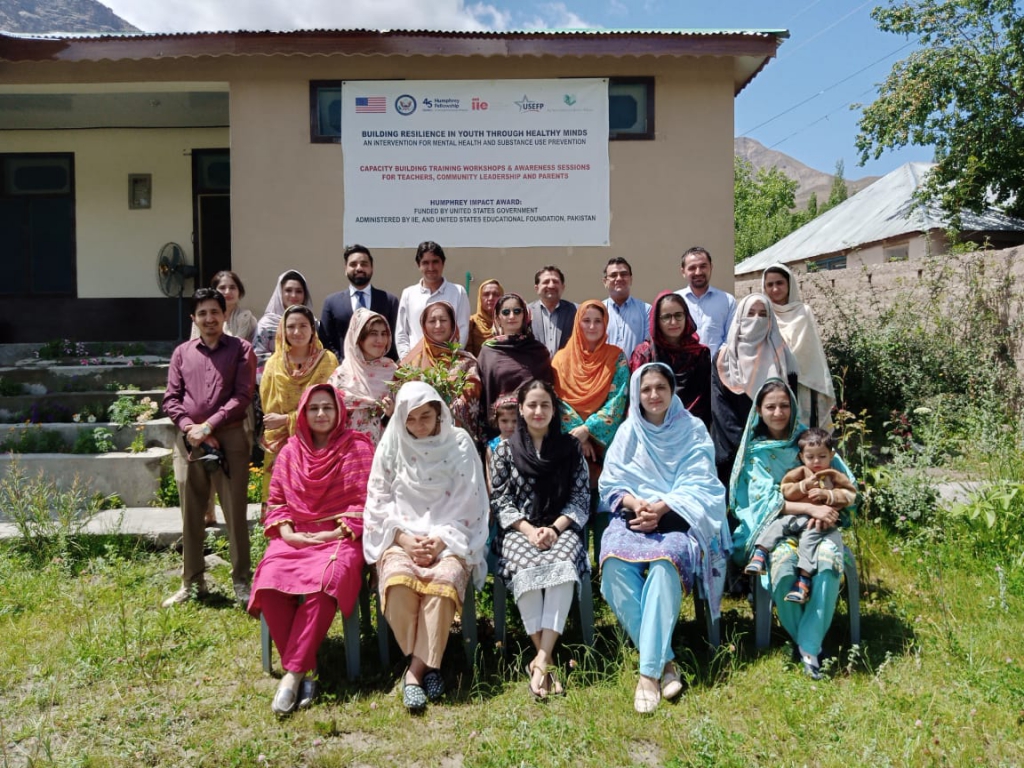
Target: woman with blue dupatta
(767, 452)
(668, 529)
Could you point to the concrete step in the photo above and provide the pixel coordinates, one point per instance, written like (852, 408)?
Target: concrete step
(160, 525)
(86, 378)
(135, 477)
(157, 433)
(60, 407)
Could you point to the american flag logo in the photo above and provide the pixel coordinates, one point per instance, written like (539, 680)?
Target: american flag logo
(367, 105)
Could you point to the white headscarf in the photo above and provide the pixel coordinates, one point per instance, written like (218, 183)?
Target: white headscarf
(275, 307)
(431, 486)
(754, 350)
(363, 383)
(800, 331)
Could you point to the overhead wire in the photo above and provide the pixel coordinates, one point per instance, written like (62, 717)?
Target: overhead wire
(823, 91)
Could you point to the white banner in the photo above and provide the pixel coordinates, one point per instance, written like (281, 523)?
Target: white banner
(485, 163)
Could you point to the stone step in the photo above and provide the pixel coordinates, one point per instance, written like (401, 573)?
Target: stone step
(135, 477)
(60, 407)
(160, 525)
(157, 433)
(82, 378)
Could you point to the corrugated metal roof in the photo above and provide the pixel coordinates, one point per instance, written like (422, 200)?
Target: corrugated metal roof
(779, 33)
(880, 211)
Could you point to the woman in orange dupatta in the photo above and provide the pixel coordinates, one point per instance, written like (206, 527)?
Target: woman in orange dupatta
(299, 362)
(592, 381)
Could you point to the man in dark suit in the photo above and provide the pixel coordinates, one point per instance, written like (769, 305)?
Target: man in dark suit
(338, 307)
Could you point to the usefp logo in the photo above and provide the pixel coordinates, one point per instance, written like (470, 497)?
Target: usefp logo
(526, 104)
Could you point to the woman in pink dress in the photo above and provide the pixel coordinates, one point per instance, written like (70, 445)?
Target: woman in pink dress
(314, 561)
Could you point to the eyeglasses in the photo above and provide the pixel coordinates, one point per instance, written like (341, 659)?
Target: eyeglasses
(515, 311)
(675, 317)
(618, 275)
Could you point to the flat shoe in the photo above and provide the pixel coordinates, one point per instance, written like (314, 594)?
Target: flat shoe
(671, 684)
(413, 697)
(644, 701)
(308, 690)
(433, 685)
(284, 701)
(812, 668)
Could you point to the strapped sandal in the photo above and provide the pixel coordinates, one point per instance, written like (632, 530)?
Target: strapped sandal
(801, 591)
(758, 565)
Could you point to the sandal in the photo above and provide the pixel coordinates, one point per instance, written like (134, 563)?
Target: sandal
(554, 687)
(801, 591)
(537, 695)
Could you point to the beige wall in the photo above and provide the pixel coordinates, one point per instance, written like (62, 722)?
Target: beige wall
(287, 195)
(117, 247)
(666, 194)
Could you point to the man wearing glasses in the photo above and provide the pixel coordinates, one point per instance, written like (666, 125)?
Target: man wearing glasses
(628, 317)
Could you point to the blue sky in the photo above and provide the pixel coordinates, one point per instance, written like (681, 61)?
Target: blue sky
(835, 55)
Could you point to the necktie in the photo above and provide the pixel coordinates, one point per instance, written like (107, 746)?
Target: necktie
(362, 299)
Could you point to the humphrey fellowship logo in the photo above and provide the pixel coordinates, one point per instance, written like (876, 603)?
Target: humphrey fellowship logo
(405, 105)
(569, 99)
(526, 104)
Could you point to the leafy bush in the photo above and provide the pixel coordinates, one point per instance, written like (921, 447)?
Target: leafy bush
(10, 388)
(130, 410)
(48, 518)
(941, 350)
(99, 440)
(55, 349)
(167, 493)
(33, 440)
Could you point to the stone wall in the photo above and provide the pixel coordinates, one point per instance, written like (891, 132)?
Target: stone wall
(879, 286)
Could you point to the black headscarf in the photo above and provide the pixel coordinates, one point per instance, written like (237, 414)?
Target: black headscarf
(552, 471)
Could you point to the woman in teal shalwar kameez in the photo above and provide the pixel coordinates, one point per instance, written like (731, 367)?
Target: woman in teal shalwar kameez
(767, 452)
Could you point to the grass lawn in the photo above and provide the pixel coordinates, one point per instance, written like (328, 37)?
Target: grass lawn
(93, 673)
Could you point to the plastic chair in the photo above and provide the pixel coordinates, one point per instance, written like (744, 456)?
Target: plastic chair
(763, 604)
(350, 630)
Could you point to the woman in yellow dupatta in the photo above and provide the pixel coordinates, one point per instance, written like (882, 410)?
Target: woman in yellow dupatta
(297, 364)
(481, 323)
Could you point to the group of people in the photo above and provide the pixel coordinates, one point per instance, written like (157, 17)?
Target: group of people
(543, 417)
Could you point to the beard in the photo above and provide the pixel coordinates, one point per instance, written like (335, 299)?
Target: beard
(359, 280)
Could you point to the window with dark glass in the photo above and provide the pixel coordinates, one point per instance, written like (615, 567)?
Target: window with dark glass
(630, 108)
(37, 219)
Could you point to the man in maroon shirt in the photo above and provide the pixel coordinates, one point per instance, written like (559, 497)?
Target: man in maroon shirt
(209, 388)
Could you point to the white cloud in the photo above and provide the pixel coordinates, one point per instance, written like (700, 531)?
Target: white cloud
(556, 16)
(282, 15)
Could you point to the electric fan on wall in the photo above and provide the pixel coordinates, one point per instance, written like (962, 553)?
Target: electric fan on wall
(171, 273)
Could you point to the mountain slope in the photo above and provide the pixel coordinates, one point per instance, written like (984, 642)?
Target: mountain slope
(49, 16)
(809, 179)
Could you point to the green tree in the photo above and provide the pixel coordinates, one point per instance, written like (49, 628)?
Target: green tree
(763, 207)
(963, 92)
(838, 193)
